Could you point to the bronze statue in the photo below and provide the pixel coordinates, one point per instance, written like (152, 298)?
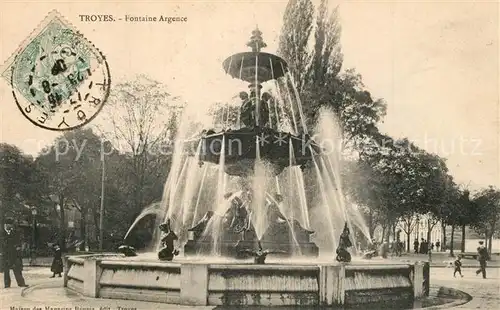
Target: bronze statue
(127, 250)
(273, 212)
(237, 216)
(168, 251)
(260, 255)
(247, 110)
(345, 242)
(264, 109)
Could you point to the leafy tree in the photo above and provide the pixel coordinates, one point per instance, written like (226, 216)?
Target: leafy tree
(316, 72)
(144, 117)
(398, 181)
(21, 183)
(294, 39)
(487, 202)
(72, 165)
(226, 115)
(468, 214)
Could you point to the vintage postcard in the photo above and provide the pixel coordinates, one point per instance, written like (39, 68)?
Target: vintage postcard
(258, 154)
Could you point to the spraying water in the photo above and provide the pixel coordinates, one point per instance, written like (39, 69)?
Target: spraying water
(224, 184)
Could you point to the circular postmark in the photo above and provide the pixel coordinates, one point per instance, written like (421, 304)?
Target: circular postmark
(60, 81)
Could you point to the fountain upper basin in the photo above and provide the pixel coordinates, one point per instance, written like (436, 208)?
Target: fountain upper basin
(240, 148)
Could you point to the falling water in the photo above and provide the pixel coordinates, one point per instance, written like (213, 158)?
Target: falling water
(328, 135)
(154, 209)
(259, 188)
(195, 212)
(296, 181)
(219, 205)
(190, 190)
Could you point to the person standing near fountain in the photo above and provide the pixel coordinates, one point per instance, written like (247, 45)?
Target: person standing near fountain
(168, 251)
(11, 255)
(482, 258)
(57, 263)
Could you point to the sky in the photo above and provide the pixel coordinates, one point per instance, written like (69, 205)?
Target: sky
(434, 63)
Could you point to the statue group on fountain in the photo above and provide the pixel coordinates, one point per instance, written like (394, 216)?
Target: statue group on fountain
(248, 108)
(239, 213)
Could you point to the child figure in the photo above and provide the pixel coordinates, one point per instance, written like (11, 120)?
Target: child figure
(458, 266)
(57, 263)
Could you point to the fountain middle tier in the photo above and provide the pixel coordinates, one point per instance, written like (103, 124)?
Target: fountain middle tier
(233, 233)
(242, 147)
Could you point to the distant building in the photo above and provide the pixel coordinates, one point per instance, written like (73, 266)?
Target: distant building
(420, 228)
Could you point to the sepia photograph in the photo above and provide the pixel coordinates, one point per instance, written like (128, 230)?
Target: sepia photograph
(253, 154)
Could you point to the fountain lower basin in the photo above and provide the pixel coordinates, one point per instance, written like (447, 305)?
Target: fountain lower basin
(206, 282)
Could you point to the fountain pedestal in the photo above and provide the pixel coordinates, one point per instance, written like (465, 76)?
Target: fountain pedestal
(286, 238)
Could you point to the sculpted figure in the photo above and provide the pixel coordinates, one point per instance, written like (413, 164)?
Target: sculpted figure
(168, 251)
(345, 242)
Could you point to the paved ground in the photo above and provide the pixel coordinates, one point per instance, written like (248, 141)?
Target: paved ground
(440, 259)
(46, 292)
(485, 292)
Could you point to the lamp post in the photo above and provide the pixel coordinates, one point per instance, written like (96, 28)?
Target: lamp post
(101, 217)
(33, 236)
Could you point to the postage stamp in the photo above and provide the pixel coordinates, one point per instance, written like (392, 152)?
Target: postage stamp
(59, 79)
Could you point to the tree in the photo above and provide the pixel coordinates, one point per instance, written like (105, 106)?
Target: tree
(21, 183)
(400, 181)
(316, 72)
(226, 115)
(144, 117)
(294, 39)
(72, 165)
(468, 214)
(409, 222)
(20, 179)
(487, 202)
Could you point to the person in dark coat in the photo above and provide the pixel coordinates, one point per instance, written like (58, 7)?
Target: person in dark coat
(11, 255)
(482, 258)
(57, 263)
(438, 246)
(422, 246)
(415, 246)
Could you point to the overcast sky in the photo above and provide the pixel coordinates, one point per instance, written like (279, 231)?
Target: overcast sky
(436, 65)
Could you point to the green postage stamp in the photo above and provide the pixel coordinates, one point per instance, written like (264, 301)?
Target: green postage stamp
(59, 79)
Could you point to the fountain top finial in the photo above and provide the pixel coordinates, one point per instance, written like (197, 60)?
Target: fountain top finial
(256, 42)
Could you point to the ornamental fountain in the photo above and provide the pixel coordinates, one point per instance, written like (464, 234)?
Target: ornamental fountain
(252, 152)
(235, 195)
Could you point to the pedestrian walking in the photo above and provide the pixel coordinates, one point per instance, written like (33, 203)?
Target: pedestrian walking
(57, 263)
(415, 246)
(438, 246)
(422, 246)
(11, 254)
(482, 258)
(458, 266)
